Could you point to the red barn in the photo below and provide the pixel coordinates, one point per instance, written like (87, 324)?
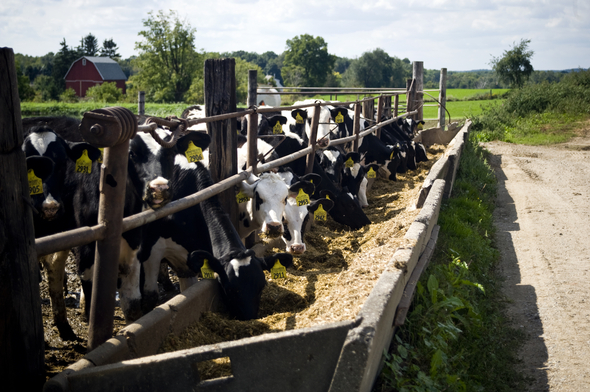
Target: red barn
(89, 71)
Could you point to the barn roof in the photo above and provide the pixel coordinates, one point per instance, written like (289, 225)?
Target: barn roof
(108, 68)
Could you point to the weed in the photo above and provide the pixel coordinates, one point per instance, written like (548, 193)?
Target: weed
(456, 336)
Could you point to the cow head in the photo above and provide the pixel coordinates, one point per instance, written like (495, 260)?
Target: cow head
(152, 166)
(71, 161)
(268, 196)
(241, 277)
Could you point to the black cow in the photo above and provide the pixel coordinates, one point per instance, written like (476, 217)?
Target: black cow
(55, 166)
(239, 271)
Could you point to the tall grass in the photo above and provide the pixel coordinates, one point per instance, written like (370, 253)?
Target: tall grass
(538, 113)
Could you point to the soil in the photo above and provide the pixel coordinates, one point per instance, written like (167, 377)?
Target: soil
(542, 216)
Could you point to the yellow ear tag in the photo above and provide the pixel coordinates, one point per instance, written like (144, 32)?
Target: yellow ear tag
(241, 197)
(371, 173)
(193, 153)
(320, 214)
(298, 119)
(206, 271)
(339, 118)
(349, 163)
(35, 183)
(302, 198)
(277, 129)
(327, 197)
(420, 127)
(99, 160)
(278, 271)
(84, 164)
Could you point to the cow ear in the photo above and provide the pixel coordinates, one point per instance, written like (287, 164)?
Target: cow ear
(325, 203)
(314, 178)
(42, 166)
(286, 259)
(75, 151)
(305, 185)
(197, 258)
(199, 139)
(327, 194)
(248, 189)
(355, 156)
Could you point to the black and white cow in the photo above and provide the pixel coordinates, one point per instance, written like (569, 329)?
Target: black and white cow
(239, 271)
(173, 237)
(297, 213)
(55, 166)
(264, 210)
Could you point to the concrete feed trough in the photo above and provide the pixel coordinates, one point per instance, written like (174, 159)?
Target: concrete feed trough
(339, 356)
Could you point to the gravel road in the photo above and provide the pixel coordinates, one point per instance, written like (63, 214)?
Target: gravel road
(542, 218)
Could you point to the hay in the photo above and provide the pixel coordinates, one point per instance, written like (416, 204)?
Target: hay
(333, 278)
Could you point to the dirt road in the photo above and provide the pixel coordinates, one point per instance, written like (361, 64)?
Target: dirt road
(543, 221)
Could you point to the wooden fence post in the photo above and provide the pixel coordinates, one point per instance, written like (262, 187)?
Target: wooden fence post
(252, 119)
(252, 137)
(313, 134)
(369, 110)
(220, 98)
(442, 98)
(356, 126)
(141, 102)
(409, 96)
(395, 105)
(380, 102)
(418, 75)
(21, 323)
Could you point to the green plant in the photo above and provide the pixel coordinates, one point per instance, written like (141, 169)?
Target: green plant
(456, 336)
(68, 96)
(107, 92)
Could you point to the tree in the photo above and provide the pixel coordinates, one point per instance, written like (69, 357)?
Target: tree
(377, 69)
(167, 61)
(307, 61)
(109, 49)
(514, 67)
(61, 64)
(88, 46)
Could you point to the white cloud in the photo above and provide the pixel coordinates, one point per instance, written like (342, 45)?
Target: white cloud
(458, 35)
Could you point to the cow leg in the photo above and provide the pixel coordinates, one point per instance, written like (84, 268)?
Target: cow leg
(55, 265)
(151, 269)
(129, 294)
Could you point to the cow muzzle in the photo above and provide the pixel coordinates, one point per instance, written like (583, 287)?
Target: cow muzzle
(274, 229)
(158, 194)
(296, 249)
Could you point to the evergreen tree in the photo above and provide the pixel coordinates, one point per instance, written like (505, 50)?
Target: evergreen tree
(109, 49)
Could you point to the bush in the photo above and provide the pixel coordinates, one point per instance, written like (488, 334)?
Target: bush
(106, 92)
(68, 96)
(566, 100)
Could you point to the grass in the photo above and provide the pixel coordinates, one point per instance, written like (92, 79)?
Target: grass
(539, 114)
(456, 336)
(77, 110)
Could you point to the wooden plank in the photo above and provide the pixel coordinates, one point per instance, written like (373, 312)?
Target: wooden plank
(220, 98)
(21, 324)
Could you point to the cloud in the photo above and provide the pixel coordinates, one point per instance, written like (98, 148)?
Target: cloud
(458, 35)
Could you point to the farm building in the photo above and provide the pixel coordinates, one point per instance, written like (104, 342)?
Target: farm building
(90, 71)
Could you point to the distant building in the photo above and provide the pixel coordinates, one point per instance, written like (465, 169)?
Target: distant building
(90, 71)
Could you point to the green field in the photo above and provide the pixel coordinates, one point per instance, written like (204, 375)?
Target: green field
(459, 108)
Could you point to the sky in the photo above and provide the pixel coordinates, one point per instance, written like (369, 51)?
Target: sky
(459, 35)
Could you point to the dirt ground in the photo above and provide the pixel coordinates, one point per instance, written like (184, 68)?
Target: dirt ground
(542, 216)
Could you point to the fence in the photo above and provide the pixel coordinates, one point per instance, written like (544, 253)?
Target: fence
(98, 127)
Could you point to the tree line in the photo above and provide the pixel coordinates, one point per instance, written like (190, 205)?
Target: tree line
(169, 68)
